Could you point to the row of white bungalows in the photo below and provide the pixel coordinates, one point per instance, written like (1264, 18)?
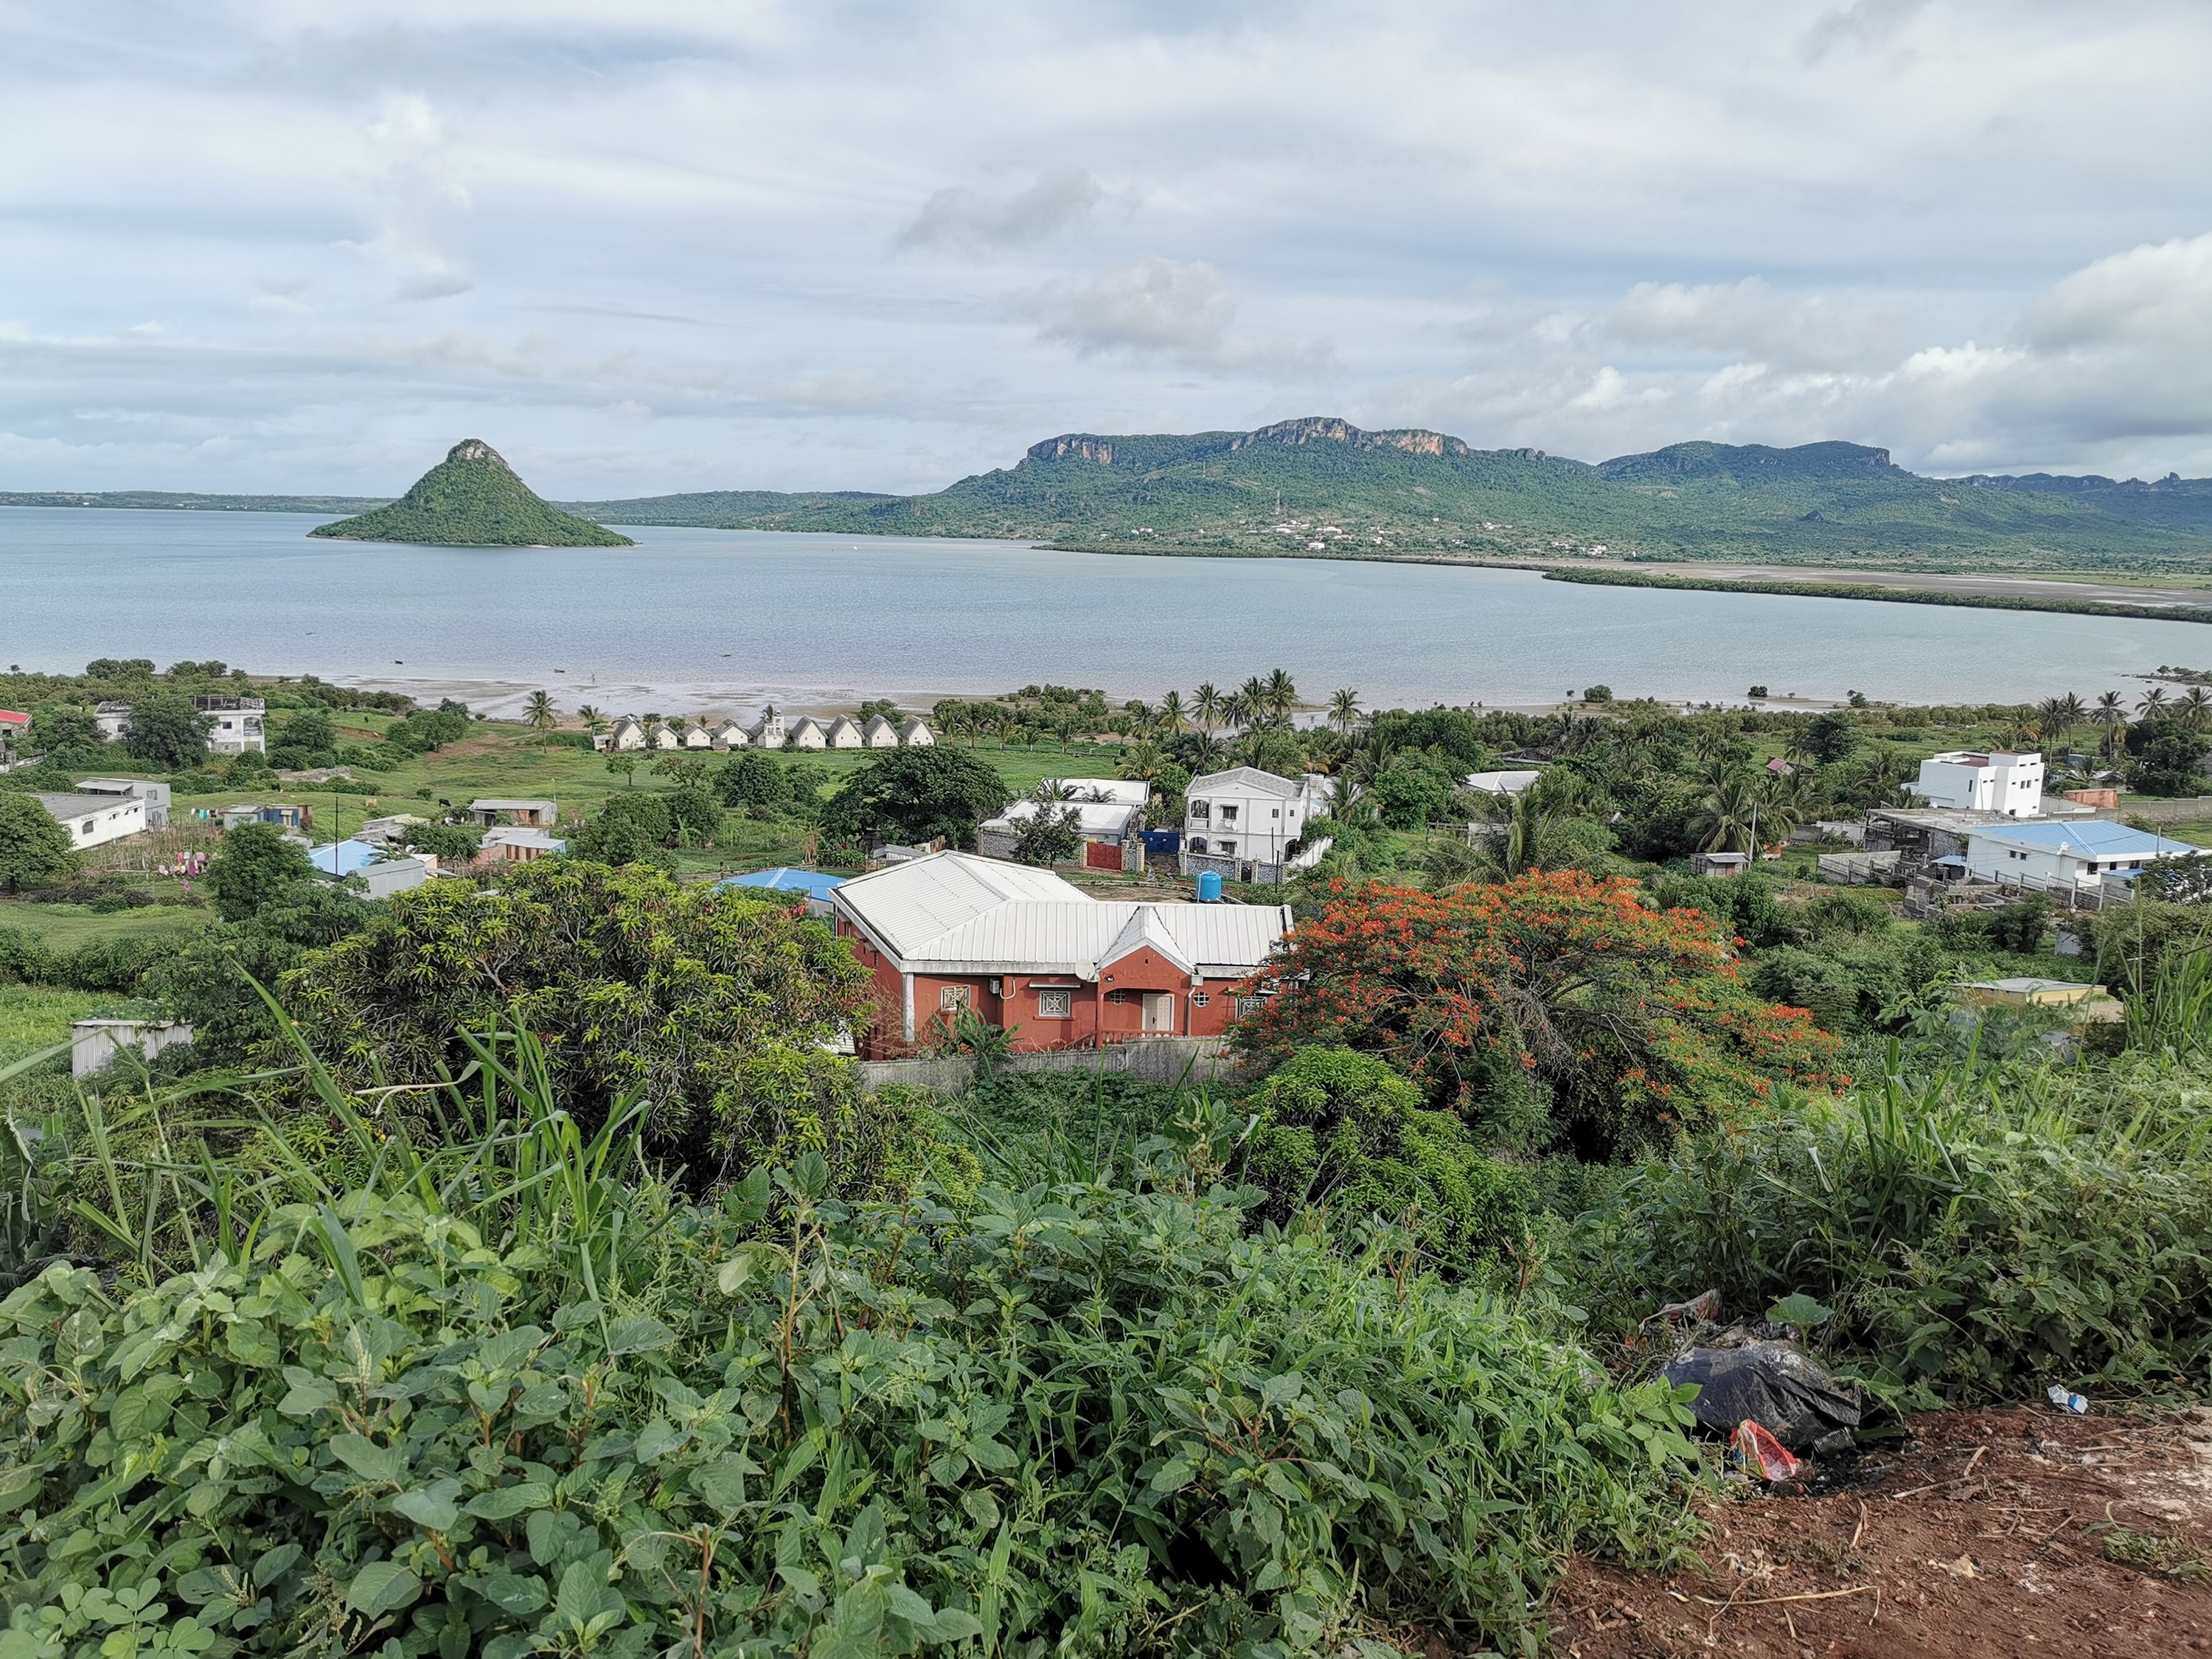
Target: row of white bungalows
(769, 731)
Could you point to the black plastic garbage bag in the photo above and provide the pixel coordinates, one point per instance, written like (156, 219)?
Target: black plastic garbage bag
(1776, 1385)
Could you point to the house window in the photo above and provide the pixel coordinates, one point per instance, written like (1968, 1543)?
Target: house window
(1056, 1005)
(1198, 843)
(1199, 809)
(950, 997)
(1199, 999)
(1228, 814)
(1247, 1006)
(1228, 848)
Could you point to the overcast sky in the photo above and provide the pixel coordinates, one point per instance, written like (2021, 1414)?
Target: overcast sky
(654, 245)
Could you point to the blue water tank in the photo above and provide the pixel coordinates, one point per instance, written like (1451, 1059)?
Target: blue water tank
(1209, 887)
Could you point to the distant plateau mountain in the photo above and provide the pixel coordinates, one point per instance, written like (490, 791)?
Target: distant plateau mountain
(1322, 487)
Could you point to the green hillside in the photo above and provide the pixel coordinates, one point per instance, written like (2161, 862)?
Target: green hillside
(473, 499)
(1385, 494)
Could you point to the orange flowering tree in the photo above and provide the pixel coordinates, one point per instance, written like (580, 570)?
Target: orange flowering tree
(1556, 1011)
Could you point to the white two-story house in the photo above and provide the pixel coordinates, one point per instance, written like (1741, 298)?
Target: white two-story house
(1996, 783)
(1254, 819)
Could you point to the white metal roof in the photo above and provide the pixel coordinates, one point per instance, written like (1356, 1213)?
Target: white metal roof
(1108, 818)
(956, 913)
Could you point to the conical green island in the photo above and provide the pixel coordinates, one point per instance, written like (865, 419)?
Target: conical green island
(473, 499)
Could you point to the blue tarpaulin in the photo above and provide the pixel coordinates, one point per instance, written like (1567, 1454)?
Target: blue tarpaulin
(812, 882)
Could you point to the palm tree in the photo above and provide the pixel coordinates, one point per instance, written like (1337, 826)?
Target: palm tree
(1171, 717)
(543, 716)
(1281, 693)
(591, 720)
(1205, 703)
(1254, 692)
(2195, 706)
(1782, 805)
(2153, 704)
(2054, 717)
(2112, 717)
(1233, 711)
(1203, 750)
(1344, 710)
(1728, 822)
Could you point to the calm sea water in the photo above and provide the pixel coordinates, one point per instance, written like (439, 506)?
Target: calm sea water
(730, 614)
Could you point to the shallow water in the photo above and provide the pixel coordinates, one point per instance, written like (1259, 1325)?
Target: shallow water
(734, 615)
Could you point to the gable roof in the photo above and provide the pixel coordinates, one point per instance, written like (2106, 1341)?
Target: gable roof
(1247, 779)
(955, 913)
(2097, 838)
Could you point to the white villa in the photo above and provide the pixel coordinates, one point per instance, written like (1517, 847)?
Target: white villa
(1252, 818)
(1996, 782)
(842, 733)
(2066, 853)
(879, 733)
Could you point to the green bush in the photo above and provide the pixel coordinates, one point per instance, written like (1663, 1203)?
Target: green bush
(1342, 1132)
(577, 1417)
(1978, 1236)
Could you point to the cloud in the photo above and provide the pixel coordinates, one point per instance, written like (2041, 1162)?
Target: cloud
(1863, 23)
(1149, 308)
(968, 222)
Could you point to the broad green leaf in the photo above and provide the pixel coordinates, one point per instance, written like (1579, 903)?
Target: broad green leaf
(382, 1587)
(307, 1398)
(1799, 1310)
(584, 1595)
(431, 1506)
(1172, 1476)
(143, 1410)
(274, 1565)
(515, 1593)
(639, 1333)
(504, 1503)
(658, 1438)
(250, 1343)
(368, 1460)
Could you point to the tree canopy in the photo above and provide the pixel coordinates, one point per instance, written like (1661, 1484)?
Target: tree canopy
(718, 1004)
(1554, 1010)
(914, 795)
(167, 731)
(34, 850)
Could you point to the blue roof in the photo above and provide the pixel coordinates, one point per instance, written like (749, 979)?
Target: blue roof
(2089, 837)
(343, 858)
(812, 882)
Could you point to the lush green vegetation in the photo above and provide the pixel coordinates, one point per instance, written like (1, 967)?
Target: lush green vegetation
(1818, 590)
(471, 498)
(1345, 494)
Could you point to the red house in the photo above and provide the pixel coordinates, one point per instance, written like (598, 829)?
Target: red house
(1024, 949)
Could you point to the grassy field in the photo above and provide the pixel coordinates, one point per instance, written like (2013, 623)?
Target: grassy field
(34, 1016)
(66, 926)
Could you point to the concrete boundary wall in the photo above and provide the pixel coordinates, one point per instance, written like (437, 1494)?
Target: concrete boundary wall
(1150, 1059)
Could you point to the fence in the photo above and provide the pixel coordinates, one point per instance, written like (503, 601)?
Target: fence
(1149, 1060)
(1859, 869)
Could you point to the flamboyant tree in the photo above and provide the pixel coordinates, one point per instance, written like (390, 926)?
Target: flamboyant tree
(1557, 1012)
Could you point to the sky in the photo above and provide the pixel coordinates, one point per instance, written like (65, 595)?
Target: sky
(666, 245)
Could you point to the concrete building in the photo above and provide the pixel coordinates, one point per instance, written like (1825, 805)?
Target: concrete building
(14, 732)
(93, 1043)
(493, 810)
(96, 820)
(1998, 782)
(879, 733)
(1110, 825)
(767, 731)
(915, 734)
(155, 795)
(628, 733)
(113, 719)
(728, 734)
(520, 845)
(240, 724)
(381, 874)
(805, 733)
(1253, 818)
(2066, 853)
(1026, 950)
(843, 733)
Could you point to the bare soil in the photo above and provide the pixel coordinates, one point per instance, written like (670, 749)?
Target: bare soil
(1987, 1534)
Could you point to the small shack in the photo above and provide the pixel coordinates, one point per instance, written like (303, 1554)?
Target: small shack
(1719, 864)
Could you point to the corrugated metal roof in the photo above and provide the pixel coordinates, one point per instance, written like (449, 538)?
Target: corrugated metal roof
(952, 910)
(2096, 836)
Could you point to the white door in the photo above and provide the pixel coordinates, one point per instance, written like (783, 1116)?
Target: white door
(1159, 1011)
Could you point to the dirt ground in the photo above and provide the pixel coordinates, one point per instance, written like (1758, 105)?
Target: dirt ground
(1983, 1536)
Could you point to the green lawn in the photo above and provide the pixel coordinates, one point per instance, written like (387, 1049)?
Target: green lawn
(2197, 832)
(66, 926)
(34, 1016)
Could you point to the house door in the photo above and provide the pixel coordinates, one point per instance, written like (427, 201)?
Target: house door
(1159, 1013)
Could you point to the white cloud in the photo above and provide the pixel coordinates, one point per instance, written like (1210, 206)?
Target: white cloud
(1972, 230)
(964, 219)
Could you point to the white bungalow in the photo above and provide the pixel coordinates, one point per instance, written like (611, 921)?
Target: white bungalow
(628, 733)
(804, 733)
(767, 731)
(916, 734)
(698, 735)
(666, 737)
(843, 735)
(728, 734)
(879, 733)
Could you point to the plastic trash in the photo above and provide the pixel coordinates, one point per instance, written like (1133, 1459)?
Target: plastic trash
(1757, 1452)
(1699, 1309)
(1776, 1385)
(2058, 1396)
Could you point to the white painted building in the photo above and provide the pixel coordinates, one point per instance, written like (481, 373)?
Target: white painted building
(805, 733)
(238, 725)
(1253, 817)
(767, 731)
(2063, 853)
(96, 820)
(628, 733)
(1995, 783)
(843, 733)
(879, 733)
(155, 795)
(916, 734)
